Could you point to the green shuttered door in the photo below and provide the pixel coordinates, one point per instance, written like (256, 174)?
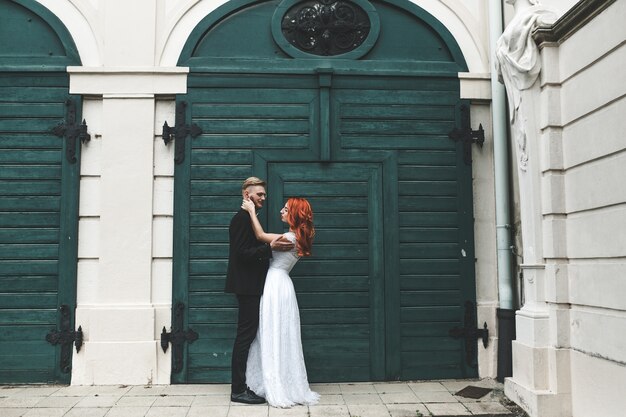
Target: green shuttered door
(393, 256)
(340, 288)
(364, 136)
(38, 192)
(431, 243)
(37, 242)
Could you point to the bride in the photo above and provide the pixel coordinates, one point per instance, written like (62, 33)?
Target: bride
(275, 367)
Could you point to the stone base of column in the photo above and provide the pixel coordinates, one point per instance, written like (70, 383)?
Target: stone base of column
(114, 363)
(121, 346)
(541, 381)
(538, 403)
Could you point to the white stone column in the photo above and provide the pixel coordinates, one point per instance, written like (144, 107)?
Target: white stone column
(120, 312)
(530, 360)
(541, 370)
(539, 365)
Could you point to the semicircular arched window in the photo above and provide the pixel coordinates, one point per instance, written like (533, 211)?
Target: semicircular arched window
(325, 28)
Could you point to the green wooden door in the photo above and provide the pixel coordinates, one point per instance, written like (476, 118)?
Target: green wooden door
(431, 271)
(341, 288)
(38, 193)
(393, 258)
(366, 140)
(243, 128)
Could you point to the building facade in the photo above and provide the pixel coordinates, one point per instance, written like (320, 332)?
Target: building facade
(118, 227)
(568, 356)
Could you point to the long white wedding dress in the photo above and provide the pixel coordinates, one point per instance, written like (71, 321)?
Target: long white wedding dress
(275, 368)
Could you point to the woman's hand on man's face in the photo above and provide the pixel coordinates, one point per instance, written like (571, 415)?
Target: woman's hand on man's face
(248, 205)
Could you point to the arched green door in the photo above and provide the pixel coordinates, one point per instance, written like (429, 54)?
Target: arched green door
(364, 136)
(38, 194)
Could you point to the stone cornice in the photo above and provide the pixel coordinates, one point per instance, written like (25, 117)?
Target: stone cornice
(475, 86)
(128, 81)
(575, 18)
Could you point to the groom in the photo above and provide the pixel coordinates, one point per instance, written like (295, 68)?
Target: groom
(248, 262)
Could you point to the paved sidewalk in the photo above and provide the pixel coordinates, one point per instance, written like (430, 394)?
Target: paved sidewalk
(391, 399)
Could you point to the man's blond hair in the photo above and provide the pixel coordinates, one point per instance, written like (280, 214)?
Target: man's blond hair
(251, 182)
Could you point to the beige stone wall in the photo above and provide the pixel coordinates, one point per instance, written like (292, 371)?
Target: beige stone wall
(592, 85)
(575, 365)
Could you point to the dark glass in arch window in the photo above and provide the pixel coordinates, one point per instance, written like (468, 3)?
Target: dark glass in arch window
(326, 27)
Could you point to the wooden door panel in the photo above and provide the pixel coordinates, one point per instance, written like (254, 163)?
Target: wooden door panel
(238, 125)
(37, 187)
(38, 192)
(347, 347)
(388, 278)
(434, 215)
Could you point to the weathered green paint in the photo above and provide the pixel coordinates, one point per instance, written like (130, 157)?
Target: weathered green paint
(33, 38)
(362, 261)
(38, 191)
(237, 38)
(366, 142)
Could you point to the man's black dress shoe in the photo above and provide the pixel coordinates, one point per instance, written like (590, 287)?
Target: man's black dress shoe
(247, 397)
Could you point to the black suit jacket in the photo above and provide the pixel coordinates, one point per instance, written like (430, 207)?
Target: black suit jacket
(248, 259)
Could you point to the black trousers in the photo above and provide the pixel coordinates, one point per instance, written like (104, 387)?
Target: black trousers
(247, 326)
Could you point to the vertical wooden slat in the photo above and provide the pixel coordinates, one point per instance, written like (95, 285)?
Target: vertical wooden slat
(392, 274)
(325, 82)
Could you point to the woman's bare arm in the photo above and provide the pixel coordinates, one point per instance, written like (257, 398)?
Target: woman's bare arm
(256, 225)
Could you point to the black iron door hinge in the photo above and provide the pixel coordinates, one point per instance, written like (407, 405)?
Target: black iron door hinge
(466, 135)
(65, 337)
(177, 337)
(470, 333)
(180, 132)
(71, 130)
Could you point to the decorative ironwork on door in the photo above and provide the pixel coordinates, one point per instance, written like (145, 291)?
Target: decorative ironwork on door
(471, 334)
(65, 337)
(72, 130)
(180, 132)
(177, 337)
(326, 27)
(466, 135)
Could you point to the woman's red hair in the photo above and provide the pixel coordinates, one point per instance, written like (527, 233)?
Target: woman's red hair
(300, 218)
